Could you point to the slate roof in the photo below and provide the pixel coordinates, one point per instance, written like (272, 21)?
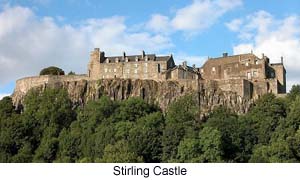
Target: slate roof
(132, 58)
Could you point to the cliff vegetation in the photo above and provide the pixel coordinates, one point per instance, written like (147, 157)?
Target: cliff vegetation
(51, 129)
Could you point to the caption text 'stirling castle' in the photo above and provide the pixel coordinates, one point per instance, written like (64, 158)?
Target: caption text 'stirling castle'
(246, 74)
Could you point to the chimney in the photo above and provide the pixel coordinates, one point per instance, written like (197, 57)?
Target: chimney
(97, 49)
(194, 66)
(281, 59)
(184, 63)
(143, 54)
(263, 55)
(124, 54)
(225, 54)
(251, 51)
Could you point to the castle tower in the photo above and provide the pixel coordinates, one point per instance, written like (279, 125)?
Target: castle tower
(280, 74)
(96, 58)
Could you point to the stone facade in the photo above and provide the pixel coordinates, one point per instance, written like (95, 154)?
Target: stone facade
(144, 66)
(246, 74)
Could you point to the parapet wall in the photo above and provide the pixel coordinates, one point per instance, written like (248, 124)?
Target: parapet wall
(25, 84)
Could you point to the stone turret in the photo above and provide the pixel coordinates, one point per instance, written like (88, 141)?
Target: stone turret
(96, 57)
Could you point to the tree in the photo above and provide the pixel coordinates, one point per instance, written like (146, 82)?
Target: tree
(71, 73)
(119, 153)
(6, 108)
(226, 122)
(52, 70)
(294, 92)
(145, 138)
(267, 114)
(205, 148)
(211, 145)
(189, 150)
(133, 108)
(276, 152)
(181, 121)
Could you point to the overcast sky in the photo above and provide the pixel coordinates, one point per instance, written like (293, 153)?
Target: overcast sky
(38, 33)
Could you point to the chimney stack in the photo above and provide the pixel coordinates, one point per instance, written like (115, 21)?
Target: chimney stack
(124, 54)
(184, 63)
(143, 54)
(281, 59)
(225, 54)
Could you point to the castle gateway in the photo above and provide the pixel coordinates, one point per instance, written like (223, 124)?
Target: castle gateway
(246, 74)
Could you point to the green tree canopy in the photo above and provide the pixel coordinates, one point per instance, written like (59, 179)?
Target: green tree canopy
(52, 70)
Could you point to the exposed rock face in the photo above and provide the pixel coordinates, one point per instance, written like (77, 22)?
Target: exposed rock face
(81, 89)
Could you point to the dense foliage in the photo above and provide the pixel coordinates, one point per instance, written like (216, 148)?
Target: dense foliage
(50, 129)
(52, 70)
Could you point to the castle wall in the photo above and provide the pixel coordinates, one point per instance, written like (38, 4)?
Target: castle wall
(280, 74)
(24, 84)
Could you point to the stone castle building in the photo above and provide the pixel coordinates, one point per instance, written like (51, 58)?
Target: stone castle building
(246, 74)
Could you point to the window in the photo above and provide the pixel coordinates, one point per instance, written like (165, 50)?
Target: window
(213, 70)
(249, 75)
(254, 73)
(201, 70)
(158, 68)
(135, 65)
(115, 70)
(128, 71)
(247, 64)
(135, 71)
(105, 70)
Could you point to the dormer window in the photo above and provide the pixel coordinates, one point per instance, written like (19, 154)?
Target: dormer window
(146, 58)
(126, 59)
(136, 58)
(107, 60)
(117, 60)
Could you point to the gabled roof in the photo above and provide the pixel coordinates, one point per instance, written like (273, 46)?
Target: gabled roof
(186, 68)
(228, 59)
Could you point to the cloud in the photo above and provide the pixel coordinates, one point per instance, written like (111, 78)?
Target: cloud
(201, 14)
(234, 25)
(273, 37)
(29, 43)
(3, 95)
(159, 23)
(195, 17)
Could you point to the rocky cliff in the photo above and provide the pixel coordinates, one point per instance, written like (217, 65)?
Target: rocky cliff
(81, 89)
